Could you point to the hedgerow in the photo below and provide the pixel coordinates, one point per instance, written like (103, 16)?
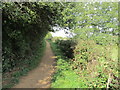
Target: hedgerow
(25, 25)
(95, 63)
(91, 67)
(67, 47)
(64, 77)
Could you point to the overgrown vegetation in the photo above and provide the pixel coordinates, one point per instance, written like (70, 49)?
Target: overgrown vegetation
(91, 66)
(12, 78)
(94, 62)
(87, 60)
(67, 47)
(24, 28)
(25, 25)
(64, 76)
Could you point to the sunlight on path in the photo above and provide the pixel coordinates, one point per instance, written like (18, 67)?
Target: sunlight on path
(40, 77)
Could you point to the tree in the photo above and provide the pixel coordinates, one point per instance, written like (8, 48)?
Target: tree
(48, 36)
(99, 17)
(25, 25)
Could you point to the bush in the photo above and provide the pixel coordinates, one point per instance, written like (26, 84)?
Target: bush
(94, 62)
(67, 47)
(64, 76)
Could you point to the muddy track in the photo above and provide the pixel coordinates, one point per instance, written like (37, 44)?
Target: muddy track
(40, 77)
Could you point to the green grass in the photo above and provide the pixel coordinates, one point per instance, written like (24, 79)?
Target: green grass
(30, 64)
(115, 52)
(64, 76)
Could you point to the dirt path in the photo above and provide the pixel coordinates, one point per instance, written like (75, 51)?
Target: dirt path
(40, 77)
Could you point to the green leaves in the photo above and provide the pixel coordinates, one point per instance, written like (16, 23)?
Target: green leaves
(97, 14)
(25, 25)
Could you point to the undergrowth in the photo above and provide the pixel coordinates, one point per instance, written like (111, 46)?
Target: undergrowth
(96, 63)
(93, 66)
(64, 76)
(12, 78)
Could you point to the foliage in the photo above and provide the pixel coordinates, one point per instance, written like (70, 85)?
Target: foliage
(56, 38)
(95, 62)
(97, 44)
(90, 67)
(64, 76)
(88, 60)
(25, 25)
(12, 78)
(48, 36)
(67, 47)
(96, 17)
(95, 56)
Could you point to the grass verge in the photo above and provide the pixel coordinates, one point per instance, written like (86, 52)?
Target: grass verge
(64, 76)
(86, 70)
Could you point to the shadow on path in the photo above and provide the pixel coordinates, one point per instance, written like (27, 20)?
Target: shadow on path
(40, 77)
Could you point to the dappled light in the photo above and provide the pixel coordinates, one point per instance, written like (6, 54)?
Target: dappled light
(41, 76)
(54, 57)
(60, 45)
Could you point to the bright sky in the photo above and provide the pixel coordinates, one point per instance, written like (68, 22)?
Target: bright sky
(61, 32)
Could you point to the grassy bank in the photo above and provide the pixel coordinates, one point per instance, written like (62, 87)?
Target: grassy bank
(12, 78)
(64, 76)
(91, 66)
